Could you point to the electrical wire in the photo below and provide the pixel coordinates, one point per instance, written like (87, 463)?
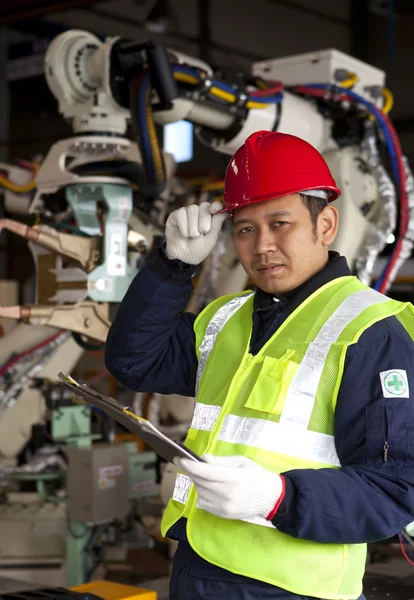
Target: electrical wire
(351, 80)
(88, 346)
(26, 164)
(143, 123)
(225, 92)
(276, 88)
(212, 187)
(406, 554)
(321, 90)
(186, 78)
(159, 169)
(388, 100)
(394, 149)
(18, 188)
(12, 361)
(382, 283)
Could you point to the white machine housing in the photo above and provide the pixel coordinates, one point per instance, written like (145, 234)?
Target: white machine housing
(322, 66)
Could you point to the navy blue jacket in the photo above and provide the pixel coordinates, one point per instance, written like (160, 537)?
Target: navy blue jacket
(151, 348)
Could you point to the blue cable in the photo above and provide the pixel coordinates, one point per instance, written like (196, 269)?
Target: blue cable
(390, 146)
(379, 281)
(408, 548)
(272, 99)
(186, 70)
(226, 87)
(373, 109)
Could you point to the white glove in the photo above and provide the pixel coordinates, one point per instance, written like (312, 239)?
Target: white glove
(233, 487)
(192, 231)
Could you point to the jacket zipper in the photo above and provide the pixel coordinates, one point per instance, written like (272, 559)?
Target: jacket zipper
(386, 444)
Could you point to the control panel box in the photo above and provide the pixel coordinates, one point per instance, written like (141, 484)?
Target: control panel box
(97, 483)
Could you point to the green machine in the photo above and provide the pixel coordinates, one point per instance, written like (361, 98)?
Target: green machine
(107, 207)
(102, 483)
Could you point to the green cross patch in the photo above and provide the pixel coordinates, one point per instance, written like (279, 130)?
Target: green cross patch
(394, 383)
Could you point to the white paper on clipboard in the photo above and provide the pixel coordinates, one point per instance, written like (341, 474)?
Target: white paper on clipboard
(160, 443)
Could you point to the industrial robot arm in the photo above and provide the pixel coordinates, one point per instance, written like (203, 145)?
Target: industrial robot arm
(328, 98)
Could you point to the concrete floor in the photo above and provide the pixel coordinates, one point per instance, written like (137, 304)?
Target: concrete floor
(389, 579)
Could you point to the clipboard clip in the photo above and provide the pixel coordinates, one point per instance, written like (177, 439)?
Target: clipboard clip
(83, 390)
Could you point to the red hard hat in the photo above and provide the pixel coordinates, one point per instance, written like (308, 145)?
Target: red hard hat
(270, 165)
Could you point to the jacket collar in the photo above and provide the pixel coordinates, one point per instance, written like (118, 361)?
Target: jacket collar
(336, 267)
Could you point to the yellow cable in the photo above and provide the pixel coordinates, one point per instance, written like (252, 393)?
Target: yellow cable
(261, 84)
(15, 187)
(350, 82)
(156, 152)
(211, 187)
(186, 78)
(215, 91)
(388, 100)
(195, 181)
(256, 105)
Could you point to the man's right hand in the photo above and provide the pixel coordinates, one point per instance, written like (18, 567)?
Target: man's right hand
(192, 231)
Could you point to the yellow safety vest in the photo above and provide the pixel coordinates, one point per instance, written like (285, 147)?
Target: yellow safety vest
(278, 409)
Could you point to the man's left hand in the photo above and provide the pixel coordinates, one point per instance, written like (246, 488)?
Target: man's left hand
(234, 487)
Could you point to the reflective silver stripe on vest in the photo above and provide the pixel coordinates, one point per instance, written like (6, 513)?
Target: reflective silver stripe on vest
(181, 488)
(204, 417)
(291, 435)
(287, 439)
(213, 328)
(301, 394)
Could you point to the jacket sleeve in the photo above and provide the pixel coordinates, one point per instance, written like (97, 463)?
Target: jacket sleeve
(371, 497)
(151, 343)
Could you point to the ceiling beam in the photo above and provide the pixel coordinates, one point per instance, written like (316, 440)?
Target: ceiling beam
(359, 28)
(252, 56)
(311, 11)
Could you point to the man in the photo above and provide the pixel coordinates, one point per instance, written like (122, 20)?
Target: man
(304, 412)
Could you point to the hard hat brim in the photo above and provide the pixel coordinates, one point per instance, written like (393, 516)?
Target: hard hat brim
(333, 194)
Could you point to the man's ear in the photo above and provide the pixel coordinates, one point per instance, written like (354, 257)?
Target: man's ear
(328, 225)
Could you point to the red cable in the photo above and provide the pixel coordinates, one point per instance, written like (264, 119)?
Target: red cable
(403, 193)
(303, 89)
(403, 550)
(28, 165)
(274, 89)
(16, 359)
(403, 202)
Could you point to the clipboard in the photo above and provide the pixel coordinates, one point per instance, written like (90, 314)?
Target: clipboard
(160, 443)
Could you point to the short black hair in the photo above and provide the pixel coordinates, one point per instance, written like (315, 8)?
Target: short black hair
(315, 206)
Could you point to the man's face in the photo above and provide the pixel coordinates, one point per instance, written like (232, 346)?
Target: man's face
(277, 245)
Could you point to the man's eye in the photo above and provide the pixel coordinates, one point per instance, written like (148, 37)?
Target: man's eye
(279, 223)
(245, 230)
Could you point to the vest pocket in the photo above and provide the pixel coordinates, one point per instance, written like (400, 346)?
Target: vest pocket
(271, 387)
(390, 448)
